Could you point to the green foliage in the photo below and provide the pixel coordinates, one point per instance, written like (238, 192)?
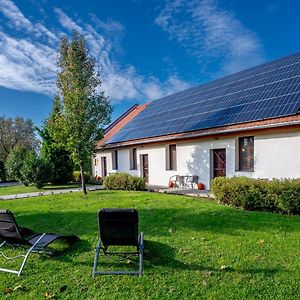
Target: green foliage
(2, 171)
(15, 162)
(124, 181)
(36, 170)
(53, 148)
(77, 176)
(15, 132)
(257, 194)
(85, 110)
(194, 249)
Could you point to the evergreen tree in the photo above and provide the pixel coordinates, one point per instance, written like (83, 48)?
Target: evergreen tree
(53, 148)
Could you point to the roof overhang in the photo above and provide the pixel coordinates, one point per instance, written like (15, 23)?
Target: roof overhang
(279, 123)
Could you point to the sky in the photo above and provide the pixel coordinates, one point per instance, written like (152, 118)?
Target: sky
(144, 49)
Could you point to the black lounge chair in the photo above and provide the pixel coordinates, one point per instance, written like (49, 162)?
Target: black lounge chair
(119, 227)
(15, 236)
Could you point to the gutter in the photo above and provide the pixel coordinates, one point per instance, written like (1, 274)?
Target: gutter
(194, 134)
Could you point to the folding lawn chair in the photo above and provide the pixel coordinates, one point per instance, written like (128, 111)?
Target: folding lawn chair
(14, 235)
(119, 227)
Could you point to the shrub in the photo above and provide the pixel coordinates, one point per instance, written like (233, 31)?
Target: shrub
(286, 194)
(124, 181)
(14, 163)
(77, 177)
(35, 170)
(257, 194)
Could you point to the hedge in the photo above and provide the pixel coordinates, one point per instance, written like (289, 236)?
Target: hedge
(124, 181)
(257, 194)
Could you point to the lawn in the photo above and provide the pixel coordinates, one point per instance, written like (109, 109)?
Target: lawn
(20, 189)
(195, 249)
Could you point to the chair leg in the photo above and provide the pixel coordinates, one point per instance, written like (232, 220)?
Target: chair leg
(28, 252)
(141, 255)
(96, 257)
(24, 260)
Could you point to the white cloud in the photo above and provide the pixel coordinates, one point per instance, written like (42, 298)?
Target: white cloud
(210, 33)
(29, 63)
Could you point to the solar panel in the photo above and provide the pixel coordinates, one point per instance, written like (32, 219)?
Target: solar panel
(262, 92)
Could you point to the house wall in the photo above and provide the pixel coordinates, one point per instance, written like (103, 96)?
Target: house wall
(275, 156)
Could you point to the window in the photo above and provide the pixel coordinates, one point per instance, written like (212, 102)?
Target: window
(103, 166)
(133, 159)
(115, 159)
(171, 160)
(246, 153)
(96, 162)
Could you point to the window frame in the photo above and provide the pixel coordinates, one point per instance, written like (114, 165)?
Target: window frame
(246, 164)
(115, 165)
(171, 157)
(133, 158)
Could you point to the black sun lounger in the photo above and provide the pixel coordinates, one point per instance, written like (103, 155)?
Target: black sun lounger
(119, 227)
(14, 235)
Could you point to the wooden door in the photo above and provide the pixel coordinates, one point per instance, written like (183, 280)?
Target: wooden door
(219, 163)
(145, 167)
(103, 166)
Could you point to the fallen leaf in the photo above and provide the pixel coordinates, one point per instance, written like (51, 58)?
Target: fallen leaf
(49, 295)
(224, 267)
(8, 290)
(18, 287)
(261, 242)
(171, 230)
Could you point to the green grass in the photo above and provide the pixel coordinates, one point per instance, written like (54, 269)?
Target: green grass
(195, 249)
(20, 189)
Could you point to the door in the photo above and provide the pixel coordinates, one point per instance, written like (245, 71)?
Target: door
(145, 167)
(103, 166)
(219, 163)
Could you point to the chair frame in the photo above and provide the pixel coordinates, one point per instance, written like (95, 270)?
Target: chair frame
(37, 243)
(139, 253)
(32, 249)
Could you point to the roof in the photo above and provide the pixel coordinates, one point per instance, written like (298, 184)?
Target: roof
(120, 122)
(267, 91)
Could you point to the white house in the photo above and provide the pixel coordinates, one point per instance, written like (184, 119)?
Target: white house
(245, 124)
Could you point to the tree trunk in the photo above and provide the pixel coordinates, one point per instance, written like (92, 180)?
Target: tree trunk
(82, 177)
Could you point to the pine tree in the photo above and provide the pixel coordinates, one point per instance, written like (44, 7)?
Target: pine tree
(53, 147)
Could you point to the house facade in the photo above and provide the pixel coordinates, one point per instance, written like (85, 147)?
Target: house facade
(246, 124)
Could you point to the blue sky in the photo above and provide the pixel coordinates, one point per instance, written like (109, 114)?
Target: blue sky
(144, 49)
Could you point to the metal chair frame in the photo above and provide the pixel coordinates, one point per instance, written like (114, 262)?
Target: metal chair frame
(104, 248)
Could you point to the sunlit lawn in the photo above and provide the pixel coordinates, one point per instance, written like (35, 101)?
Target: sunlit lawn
(20, 189)
(195, 249)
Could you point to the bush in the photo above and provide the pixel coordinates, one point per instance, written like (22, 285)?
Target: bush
(257, 194)
(77, 177)
(35, 170)
(15, 162)
(124, 181)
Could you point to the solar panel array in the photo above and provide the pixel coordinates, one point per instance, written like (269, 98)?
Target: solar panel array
(262, 92)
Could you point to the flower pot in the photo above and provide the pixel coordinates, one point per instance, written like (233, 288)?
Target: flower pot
(171, 184)
(200, 186)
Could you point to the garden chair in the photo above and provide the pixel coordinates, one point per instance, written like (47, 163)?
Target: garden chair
(119, 227)
(15, 236)
(191, 180)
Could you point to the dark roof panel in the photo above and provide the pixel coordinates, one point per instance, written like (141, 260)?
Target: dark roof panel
(262, 92)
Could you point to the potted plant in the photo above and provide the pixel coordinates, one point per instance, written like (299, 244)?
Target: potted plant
(200, 186)
(171, 184)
